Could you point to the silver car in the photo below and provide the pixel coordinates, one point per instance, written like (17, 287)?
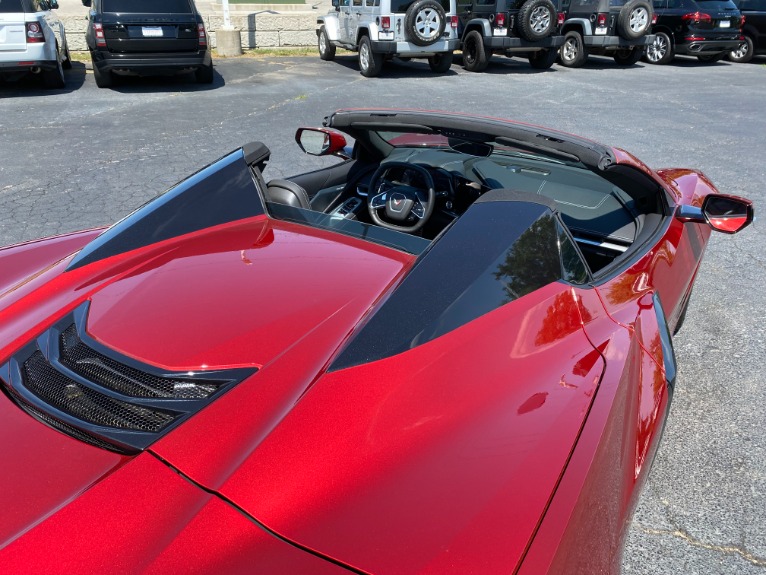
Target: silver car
(33, 41)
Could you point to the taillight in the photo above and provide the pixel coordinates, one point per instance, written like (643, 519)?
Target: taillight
(561, 18)
(34, 33)
(385, 22)
(601, 21)
(202, 35)
(697, 17)
(453, 21)
(654, 19)
(98, 30)
(742, 21)
(500, 20)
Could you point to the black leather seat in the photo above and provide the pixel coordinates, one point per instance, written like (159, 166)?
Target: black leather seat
(287, 192)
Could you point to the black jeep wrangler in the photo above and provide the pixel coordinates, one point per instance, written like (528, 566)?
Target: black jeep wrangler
(509, 27)
(618, 28)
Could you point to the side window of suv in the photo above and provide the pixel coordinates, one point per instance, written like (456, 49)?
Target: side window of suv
(357, 2)
(660, 4)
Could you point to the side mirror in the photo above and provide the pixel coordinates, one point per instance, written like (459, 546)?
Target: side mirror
(320, 142)
(727, 214)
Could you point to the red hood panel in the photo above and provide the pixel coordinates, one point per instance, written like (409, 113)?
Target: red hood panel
(239, 296)
(145, 519)
(437, 460)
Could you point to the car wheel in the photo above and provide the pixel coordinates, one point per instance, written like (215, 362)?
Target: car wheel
(440, 62)
(54, 79)
(628, 57)
(326, 50)
(543, 59)
(536, 19)
(370, 63)
(475, 57)
(424, 22)
(103, 79)
(744, 52)
(573, 53)
(67, 63)
(634, 19)
(661, 50)
(204, 74)
(710, 58)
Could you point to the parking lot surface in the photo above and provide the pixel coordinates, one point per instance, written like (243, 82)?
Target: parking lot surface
(84, 157)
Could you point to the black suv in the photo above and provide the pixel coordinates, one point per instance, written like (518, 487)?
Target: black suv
(510, 27)
(147, 37)
(617, 28)
(753, 39)
(708, 29)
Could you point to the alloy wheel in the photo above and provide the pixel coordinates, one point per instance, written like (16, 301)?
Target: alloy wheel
(639, 19)
(540, 19)
(427, 23)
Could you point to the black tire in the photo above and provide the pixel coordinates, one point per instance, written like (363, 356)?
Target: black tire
(745, 51)
(326, 50)
(475, 58)
(628, 57)
(204, 74)
(424, 22)
(370, 63)
(543, 59)
(441, 62)
(710, 58)
(661, 50)
(103, 79)
(536, 19)
(67, 63)
(635, 19)
(573, 53)
(54, 79)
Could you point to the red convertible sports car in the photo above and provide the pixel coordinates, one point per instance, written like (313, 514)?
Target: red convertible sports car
(448, 352)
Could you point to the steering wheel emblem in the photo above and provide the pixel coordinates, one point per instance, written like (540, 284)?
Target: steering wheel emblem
(397, 202)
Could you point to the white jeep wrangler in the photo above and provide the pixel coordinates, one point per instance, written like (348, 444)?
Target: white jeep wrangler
(382, 29)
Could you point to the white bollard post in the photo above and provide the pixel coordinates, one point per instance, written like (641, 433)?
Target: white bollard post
(228, 40)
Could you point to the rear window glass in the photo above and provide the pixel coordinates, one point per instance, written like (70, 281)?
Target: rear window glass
(11, 6)
(146, 6)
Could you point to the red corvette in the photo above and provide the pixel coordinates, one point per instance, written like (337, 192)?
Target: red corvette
(449, 352)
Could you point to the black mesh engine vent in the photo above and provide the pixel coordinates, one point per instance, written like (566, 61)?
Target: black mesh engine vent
(89, 392)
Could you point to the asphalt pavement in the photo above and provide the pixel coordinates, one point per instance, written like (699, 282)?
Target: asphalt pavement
(83, 157)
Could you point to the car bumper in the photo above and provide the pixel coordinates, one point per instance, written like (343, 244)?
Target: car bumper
(616, 42)
(707, 47)
(509, 43)
(414, 51)
(26, 66)
(151, 64)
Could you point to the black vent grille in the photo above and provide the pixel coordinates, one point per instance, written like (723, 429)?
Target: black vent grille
(81, 402)
(78, 386)
(124, 379)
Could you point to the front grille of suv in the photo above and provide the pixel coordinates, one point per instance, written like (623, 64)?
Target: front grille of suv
(90, 392)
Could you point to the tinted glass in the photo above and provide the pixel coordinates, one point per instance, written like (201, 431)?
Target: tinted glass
(11, 6)
(572, 267)
(147, 6)
(400, 6)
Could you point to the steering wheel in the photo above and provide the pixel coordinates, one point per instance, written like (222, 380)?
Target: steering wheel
(400, 202)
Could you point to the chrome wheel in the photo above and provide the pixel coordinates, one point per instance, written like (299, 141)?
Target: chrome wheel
(364, 56)
(570, 50)
(658, 50)
(540, 19)
(427, 24)
(639, 19)
(741, 51)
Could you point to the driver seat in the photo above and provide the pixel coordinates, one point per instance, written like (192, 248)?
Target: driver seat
(288, 193)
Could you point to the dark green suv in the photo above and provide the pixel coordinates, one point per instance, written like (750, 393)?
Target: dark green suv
(528, 28)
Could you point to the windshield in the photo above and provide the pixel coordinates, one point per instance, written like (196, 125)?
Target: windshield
(147, 6)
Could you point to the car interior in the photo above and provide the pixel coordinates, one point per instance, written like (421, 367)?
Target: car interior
(418, 184)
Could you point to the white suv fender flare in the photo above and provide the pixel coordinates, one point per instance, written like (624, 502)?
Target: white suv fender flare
(331, 26)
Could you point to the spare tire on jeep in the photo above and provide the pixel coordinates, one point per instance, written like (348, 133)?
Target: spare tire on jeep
(634, 19)
(536, 20)
(424, 22)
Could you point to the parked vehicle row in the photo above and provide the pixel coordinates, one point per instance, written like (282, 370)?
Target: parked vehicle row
(542, 31)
